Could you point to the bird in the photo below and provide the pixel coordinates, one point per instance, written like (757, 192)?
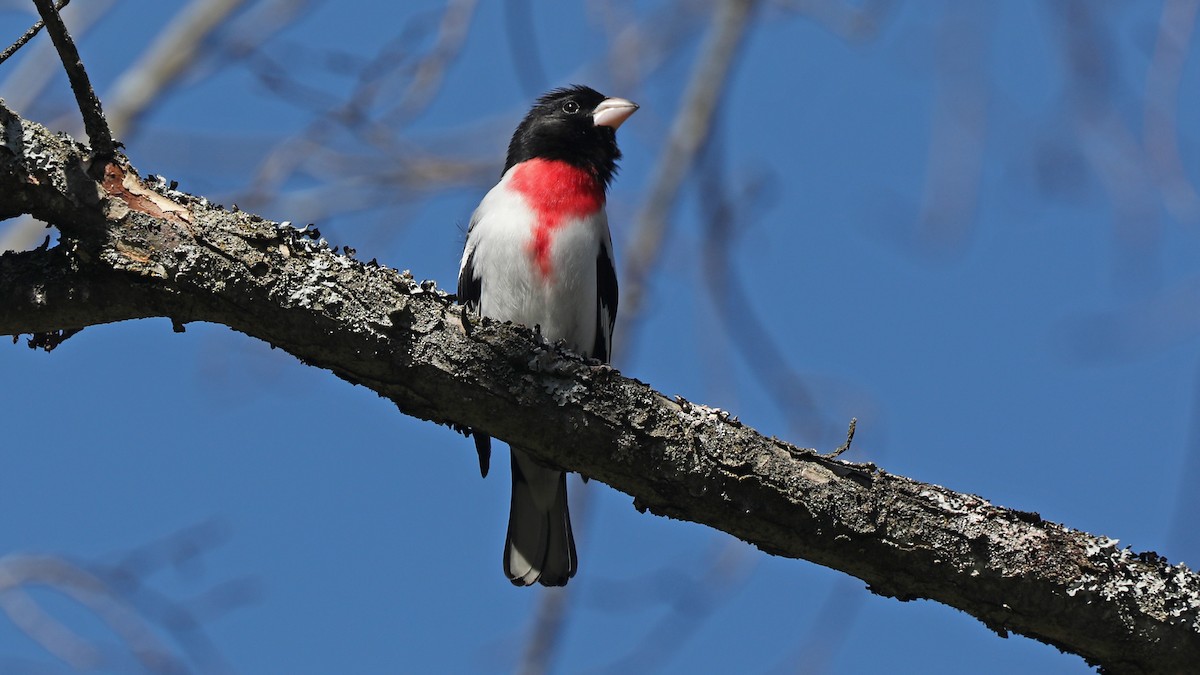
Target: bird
(538, 252)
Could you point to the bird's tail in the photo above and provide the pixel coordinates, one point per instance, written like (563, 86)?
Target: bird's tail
(540, 547)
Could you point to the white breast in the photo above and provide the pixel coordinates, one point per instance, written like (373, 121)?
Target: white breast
(562, 303)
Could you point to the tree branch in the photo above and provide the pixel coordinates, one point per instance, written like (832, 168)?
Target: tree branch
(133, 248)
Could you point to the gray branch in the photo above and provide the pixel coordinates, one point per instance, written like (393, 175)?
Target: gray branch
(134, 248)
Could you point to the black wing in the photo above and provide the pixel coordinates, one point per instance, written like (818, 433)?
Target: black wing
(470, 286)
(606, 305)
(470, 290)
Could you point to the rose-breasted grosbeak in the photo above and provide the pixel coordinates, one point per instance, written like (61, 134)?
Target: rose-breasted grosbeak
(539, 253)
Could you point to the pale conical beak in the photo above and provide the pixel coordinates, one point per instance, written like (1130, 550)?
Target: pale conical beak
(613, 111)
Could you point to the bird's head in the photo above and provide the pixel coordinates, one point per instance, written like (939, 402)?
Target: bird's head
(576, 125)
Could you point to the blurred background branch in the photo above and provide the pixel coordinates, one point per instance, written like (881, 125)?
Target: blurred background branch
(688, 132)
(156, 633)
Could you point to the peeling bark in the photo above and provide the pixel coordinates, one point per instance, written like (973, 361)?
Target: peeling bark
(134, 248)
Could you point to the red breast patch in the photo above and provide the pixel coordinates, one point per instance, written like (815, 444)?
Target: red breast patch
(556, 192)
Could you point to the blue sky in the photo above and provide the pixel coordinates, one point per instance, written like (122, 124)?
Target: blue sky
(1039, 353)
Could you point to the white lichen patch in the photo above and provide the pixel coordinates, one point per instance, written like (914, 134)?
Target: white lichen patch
(564, 391)
(695, 415)
(166, 188)
(317, 288)
(42, 158)
(1170, 590)
(955, 502)
(1099, 544)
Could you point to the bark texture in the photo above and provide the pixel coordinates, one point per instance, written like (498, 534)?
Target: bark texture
(134, 248)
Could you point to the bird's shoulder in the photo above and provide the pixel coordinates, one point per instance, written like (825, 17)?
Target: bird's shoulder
(502, 207)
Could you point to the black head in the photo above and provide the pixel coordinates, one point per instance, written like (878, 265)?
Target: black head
(577, 125)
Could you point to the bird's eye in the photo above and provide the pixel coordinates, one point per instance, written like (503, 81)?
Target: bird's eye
(570, 107)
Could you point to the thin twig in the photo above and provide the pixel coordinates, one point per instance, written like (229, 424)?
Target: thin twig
(849, 439)
(98, 133)
(29, 35)
(26, 80)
